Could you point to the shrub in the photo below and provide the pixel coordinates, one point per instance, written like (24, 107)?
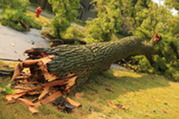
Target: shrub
(17, 20)
(73, 32)
(14, 4)
(14, 15)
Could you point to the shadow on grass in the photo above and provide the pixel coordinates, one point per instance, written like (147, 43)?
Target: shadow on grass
(106, 86)
(104, 91)
(113, 83)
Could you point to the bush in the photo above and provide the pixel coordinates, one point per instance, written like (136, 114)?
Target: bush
(14, 4)
(17, 20)
(73, 32)
(161, 66)
(97, 31)
(14, 15)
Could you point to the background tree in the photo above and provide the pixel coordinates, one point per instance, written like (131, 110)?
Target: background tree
(101, 28)
(152, 20)
(14, 15)
(14, 4)
(115, 17)
(172, 4)
(65, 12)
(129, 10)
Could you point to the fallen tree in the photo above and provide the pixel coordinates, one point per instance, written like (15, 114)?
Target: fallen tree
(55, 71)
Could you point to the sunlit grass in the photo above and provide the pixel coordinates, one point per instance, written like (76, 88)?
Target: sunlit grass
(7, 65)
(142, 96)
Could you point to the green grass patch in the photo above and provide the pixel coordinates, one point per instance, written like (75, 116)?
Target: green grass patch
(7, 65)
(21, 21)
(44, 21)
(33, 5)
(140, 95)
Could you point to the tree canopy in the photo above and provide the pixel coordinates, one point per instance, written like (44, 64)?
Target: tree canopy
(14, 4)
(107, 21)
(65, 12)
(115, 17)
(13, 14)
(172, 4)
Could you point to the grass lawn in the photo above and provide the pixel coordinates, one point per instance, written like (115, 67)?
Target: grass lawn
(111, 95)
(41, 19)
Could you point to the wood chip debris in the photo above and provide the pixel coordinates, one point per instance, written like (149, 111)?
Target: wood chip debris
(46, 87)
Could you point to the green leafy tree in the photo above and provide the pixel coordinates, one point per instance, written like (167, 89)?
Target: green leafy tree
(115, 17)
(14, 15)
(172, 4)
(14, 4)
(107, 21)
(152, 20)
(129, 10)
(158, 19)
(65, 12)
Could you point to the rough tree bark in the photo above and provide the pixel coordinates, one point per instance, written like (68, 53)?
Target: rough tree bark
(55, 71)
(93, 58)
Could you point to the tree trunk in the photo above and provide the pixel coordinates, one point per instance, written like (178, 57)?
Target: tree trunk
(58, 64)
(54, 72)
(92, 58)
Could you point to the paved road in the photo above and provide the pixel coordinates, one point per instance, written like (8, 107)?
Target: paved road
(14, 43)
